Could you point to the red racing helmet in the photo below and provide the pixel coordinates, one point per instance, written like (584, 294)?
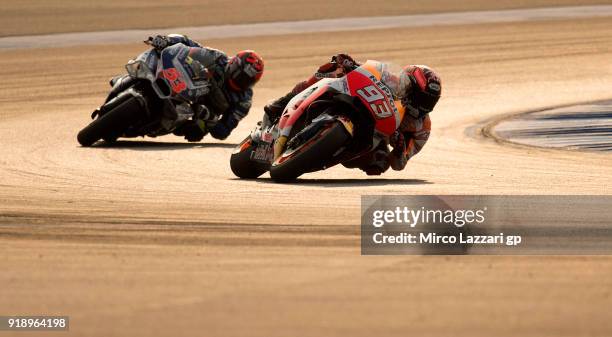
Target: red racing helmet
(420, 89)
(244, 70)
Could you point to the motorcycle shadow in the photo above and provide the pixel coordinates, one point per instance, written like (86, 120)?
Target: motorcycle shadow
(350, 182)
(143, 145)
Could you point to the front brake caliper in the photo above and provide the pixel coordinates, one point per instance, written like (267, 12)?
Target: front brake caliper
(348, 125)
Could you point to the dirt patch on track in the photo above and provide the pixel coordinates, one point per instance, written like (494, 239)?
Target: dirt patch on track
(583, 127)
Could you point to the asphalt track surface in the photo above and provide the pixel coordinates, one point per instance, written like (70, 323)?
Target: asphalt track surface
(155, 236)
(310, 26)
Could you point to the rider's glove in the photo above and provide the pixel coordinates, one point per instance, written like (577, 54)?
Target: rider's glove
(397, 140)
(397, 157)
(347, 63)
(158, 42)
(194, 131)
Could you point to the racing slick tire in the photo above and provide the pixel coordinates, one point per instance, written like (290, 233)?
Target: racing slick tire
(242, 165)
(311, 155)
(112, 124)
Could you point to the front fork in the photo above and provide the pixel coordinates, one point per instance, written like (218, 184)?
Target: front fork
(118, 100)
(281, 142)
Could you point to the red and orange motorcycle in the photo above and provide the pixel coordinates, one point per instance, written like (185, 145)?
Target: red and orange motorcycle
(333, 121)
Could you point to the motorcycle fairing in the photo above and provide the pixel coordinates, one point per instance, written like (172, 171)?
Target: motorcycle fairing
(298, 104)
(175, 68)
(149, 58)
(365, 83)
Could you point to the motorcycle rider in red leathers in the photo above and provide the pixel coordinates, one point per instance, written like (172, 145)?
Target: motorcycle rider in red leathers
(419, 89)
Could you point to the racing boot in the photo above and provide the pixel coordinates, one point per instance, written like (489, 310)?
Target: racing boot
(193, 131)
(274, 109)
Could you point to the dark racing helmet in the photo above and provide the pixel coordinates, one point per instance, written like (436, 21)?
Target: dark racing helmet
(419, 89)
(244, 70)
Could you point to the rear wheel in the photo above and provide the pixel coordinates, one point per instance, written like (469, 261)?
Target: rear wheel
(310, 155)
(112, 124)
(241, 163)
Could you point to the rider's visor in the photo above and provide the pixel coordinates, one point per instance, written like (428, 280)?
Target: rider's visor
(425, 101)
(241, 78)
(420, 103)
(241, 81)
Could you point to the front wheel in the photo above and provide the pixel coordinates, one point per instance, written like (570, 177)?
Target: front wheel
(241, 163)
(112, 124)
(311, 155)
